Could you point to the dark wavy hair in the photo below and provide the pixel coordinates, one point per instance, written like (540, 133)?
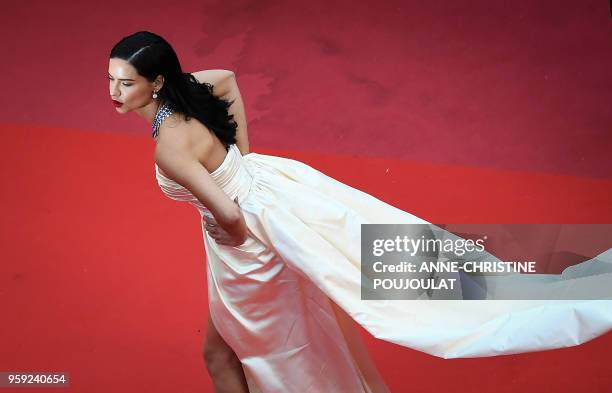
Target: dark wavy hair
(152, 55)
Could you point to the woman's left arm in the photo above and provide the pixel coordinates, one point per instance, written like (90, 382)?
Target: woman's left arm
(178, 162)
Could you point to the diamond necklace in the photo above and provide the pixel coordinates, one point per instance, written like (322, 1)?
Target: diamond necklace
(163, 111)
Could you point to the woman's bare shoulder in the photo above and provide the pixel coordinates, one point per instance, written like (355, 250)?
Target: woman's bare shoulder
(177, 131)
(188, 136)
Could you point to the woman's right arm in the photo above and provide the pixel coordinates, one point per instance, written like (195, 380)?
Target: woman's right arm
(226, 87)
(237, 109)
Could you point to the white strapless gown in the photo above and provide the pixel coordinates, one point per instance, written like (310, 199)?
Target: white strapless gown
(275, 298)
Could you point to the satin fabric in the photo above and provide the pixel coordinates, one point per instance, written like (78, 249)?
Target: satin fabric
(287, 299)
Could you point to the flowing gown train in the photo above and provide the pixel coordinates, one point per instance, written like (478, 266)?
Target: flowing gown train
(287, 299)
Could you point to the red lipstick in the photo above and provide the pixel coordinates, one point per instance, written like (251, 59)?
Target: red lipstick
(117, 103)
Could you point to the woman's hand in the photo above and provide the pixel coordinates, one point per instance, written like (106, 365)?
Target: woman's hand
(220, 235)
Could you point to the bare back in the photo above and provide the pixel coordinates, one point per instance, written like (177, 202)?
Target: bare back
(203, 143)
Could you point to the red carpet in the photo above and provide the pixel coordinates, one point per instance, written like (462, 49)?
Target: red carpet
(465, 111)
(104, 277)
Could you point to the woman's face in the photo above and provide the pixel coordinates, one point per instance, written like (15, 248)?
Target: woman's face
(128, 89)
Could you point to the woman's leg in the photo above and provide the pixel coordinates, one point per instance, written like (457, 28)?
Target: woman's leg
(222, 364)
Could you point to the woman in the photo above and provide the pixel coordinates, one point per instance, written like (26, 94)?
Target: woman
(283, 249)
